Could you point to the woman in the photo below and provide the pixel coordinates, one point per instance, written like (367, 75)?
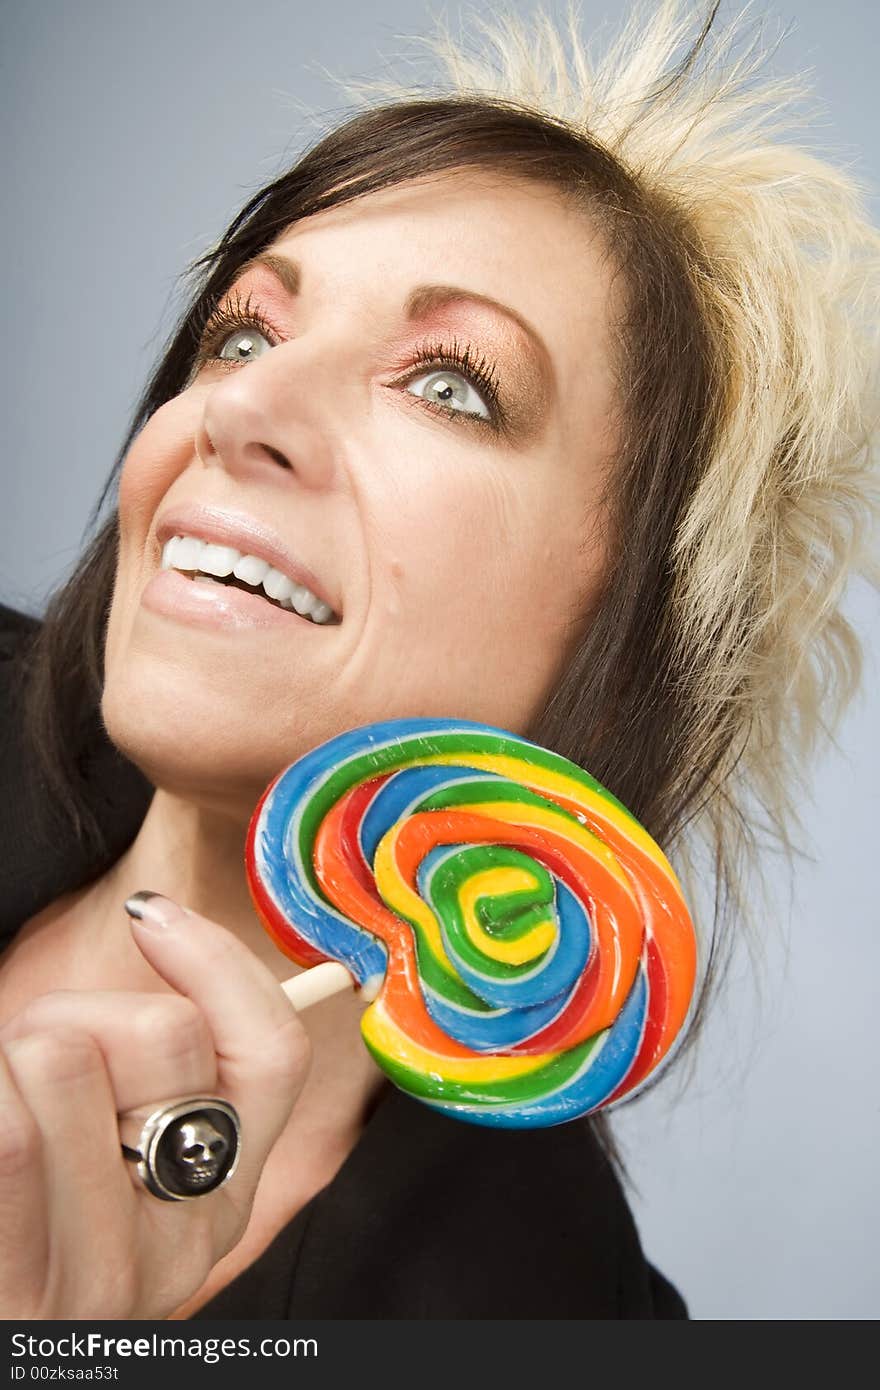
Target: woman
(667, 489)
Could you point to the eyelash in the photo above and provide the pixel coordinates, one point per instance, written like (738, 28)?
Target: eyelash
(225, 319)
(479, 371)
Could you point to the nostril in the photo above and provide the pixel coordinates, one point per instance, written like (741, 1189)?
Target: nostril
(277, 456)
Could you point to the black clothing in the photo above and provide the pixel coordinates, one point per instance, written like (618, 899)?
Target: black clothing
(428, 1217)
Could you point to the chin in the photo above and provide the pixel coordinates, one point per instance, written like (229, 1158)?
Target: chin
(180, 742)
(200, 731)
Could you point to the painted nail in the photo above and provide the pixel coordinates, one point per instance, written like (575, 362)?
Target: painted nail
(152, 909)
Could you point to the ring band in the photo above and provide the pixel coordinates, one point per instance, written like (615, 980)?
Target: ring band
(184, 1148)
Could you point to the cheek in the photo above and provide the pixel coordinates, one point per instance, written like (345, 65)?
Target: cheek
(476, 532)
(156, 458)
(509, 549)
(486, 550)
(473, 600)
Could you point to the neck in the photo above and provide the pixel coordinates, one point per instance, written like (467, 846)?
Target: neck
(195, 856)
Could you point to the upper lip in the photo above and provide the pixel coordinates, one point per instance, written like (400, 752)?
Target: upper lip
(245, 534)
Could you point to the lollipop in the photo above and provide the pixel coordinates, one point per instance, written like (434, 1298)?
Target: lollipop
(523, 940)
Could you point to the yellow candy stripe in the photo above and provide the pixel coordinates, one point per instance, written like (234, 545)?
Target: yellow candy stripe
(495, 883)
(383, 1034)
(542, 779)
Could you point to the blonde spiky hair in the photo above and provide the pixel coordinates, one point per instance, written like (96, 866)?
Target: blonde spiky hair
(786, 507)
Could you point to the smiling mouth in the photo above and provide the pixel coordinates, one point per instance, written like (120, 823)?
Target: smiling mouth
(204, 562)
(231, 582)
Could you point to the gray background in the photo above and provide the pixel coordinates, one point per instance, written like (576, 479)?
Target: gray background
(134, 132)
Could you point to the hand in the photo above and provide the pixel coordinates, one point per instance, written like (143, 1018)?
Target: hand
(79, 1239)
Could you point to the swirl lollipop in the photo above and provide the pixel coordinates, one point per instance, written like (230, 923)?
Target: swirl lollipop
(524, 941)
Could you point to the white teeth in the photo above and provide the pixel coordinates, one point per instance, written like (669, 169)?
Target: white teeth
(277, 585)
(205, 558)
(302, 599)
(187, 553)
(251, 570)
(218, 560)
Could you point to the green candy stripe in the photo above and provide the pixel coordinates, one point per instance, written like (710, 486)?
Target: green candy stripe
(545, 1079)
(437, 978)
(506, 917)
(477, 793)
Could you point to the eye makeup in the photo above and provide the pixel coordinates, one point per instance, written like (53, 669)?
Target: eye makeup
(231, 315)
(236, 314)
(461, 359)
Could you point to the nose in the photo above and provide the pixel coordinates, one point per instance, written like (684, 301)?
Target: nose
(264, 419)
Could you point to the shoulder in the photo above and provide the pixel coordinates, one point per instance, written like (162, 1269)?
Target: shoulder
(44, 853)
(534, 1224)
(16, 631)
(441, 1219)
(14, 623)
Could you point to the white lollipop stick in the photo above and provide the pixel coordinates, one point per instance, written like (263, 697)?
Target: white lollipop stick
(320, 982)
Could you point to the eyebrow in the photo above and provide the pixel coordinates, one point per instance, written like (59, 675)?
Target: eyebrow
(419, 302)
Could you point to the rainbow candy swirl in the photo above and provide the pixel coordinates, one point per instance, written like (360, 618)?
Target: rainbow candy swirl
(527, 942)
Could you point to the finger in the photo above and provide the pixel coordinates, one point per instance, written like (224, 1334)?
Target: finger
(90, 1204)
(23, 1203)
(78, 1210)
(155, 1046)
(262, 1047)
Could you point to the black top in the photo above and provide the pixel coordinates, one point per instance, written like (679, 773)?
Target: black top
(427, 1217)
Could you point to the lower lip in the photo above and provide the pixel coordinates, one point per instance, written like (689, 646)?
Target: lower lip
(174, 595)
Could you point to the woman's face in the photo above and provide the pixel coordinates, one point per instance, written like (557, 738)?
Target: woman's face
(452, 533)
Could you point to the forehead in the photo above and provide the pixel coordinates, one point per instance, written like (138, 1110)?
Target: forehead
(522, 236)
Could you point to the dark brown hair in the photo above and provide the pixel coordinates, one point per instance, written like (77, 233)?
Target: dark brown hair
(621, 707)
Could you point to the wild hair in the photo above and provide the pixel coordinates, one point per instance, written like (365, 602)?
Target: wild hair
(744, 492)
(785, 268)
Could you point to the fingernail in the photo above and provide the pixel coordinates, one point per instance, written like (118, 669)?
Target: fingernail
(152, 909)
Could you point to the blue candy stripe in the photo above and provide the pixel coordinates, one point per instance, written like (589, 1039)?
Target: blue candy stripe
(320, 922)
(601, 1074)
(401, 797)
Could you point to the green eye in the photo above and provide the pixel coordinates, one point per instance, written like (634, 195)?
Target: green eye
(454, 392)
(245, 351)
(227, 320)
